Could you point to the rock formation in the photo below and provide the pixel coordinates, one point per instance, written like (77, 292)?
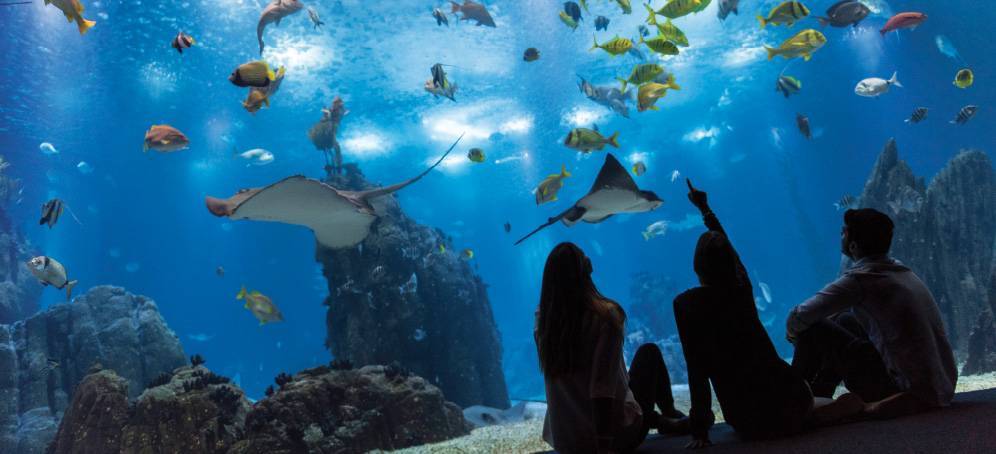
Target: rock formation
(650, 319)
(398, 297)
(95, 417)
(982, 342)
(43, 358)
(19, 291)
(945, 231)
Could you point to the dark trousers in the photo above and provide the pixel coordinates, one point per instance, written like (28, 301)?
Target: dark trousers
(836, 350)
(651, 386)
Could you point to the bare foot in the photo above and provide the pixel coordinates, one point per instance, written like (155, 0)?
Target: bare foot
(834, 411)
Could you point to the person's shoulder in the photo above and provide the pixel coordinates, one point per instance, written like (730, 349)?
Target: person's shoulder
(690, 295)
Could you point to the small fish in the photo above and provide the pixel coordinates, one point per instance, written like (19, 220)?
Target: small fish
(639, 168)
(903, 20)
(625, 6)
(765, 291)
(260, 305)
(549, 187)
(674, 9)
(802, 44)
(966, 113)
(472, 10)
(615, 46)
(252, 74)
(587, 140)
(531, 54)
(440, 17)
(200, 337)
(256, 157)
(476, 155)
(51, 211)
(567, 20)
(572, 9)
(675, 175)
(73, 10)
(508, 227)
(964, 79)
(650, 92)
(875, 86)
(919, 114)
(641, 74)
(220, 271)
(165, 139)
(786, 13)
(845, 13)
(846, 202)
(48, 149)
(467, 254)
(788, 85)
(643, 30)
(908, 200)
(315, 20)
(802, 122)
(50, 365)
(182, 41)
(49, 271)
(661, 44)
(945, 47)
(419, 335)
(84, 167)
(656, 229)
(273, 13)
(442, 248)
(601, 23)
(439, 84)
(668, 29)
(726, 7)
(256, 100)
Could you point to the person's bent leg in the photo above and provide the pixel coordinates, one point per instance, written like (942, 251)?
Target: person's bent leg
(651, 386)
(816, 357)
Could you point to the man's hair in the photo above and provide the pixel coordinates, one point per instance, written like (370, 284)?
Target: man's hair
(870, 229)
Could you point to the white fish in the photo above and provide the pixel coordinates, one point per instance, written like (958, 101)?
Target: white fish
(257, 157)
(200, 337)
(675, 175)
(658, 228)
(945, 47)
(419, 335)
(874, 86)
(766, 291)
(48, 149)
(84, 168)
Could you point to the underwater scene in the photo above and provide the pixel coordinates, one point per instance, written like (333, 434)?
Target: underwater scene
(299, 188)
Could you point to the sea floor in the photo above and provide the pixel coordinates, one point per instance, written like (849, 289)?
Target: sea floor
(527, 437)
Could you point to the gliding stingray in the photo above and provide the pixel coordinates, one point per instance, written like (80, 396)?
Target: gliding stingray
(614, 192)
(339, 218)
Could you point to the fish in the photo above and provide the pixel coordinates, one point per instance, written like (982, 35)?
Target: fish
(650, 92)
(601, 23)
(765, 292)
(639, 168)
(531, 54)
(703, 4)
(339, 218)
(802, 44)
(945, 47)
(966, 113)
(476, 155)
(440, 17)
(919, 114)
(467, 254)
(846, 202)
(84, 167)
(674, 9)
(220, 271)
(256, 157)
(51, 211)
(643, 29)
(566, 19)
(508, 227)
(550, 186)
(49, 271)
(572, 9)
(661, 44)
(200, 337)
(48, 149)
(610, 97)
(260, 305)
(964, 78)
(675, 175)
(845, 13)
(726, 7)
(182, 41)
(802, 122)
(788, 85)
(253, 74)
(786, 13)
(656, 229)
(273, 13)
(615, 46)
(442, 248)
(613, 192)
(50, 365)
(908, 20)
(472, 10)
(254, 101)
(874, 86)
(667, 29)
(439, 84)
(315, 20)
(625, 6)
(73, 10)
(636, 53)
(587, 140)
(908, 200)
(165, 139)
(641, 74)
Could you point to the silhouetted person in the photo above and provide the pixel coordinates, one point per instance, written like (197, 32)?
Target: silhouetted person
(876, 328)
(593, 404)
(725, 344)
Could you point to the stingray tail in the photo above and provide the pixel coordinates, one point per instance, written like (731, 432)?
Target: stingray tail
(396, 187)
(548, 223)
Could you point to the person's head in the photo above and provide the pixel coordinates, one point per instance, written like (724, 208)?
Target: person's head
(571, 309)
(866, 232)
(715, 260)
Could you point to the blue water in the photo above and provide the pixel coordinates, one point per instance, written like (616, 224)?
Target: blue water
(144, 225)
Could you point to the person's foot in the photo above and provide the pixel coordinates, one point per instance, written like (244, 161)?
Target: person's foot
(835, 411)
(894, 406)
(673, 422)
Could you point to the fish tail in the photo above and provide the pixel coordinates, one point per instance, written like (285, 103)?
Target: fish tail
(84, 25)
(895, 80)
(614, 139)
(563, 171)
(763, 22)
(623, 82)
(242, 293)
(651, 15)
(883, 32)
(771, 52)
(69, 289)
(594, 40)
(646, 236)
(823, 21)
(672, 83)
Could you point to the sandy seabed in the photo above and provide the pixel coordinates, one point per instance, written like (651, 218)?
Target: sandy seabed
(527, 437)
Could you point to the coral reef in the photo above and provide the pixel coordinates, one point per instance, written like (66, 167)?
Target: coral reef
(43, 358)
(945, 231)
(397, 297)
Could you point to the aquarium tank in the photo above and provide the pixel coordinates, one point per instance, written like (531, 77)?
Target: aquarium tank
(299, 188)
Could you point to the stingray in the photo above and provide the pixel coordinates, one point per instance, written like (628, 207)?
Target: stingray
(614, 192)
(339, 218)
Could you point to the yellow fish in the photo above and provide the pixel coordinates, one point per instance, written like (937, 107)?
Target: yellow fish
(674, 9)
(661, 44)
(550, 186)
(964, 79)
(803, 44)
(667, 29)
(467, 254)
(73, 10)
(261, 306)
(616, 46)
(256, 100)
(787, 13)
(649, 93)
(641, 74)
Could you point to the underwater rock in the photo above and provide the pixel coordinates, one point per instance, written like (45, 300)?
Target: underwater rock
(44, 357)
(481, 416)
(19, 291)
(94, 419)
(373, 317)
(650, 319)
(945, 232)
(982, 341)
(350, 411)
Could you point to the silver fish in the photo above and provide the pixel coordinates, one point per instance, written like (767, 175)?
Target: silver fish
(48, 271)
(273, 13)
(846, 202)
(313, 15)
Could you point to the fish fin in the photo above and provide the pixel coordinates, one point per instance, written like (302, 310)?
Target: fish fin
(242, 294)
(646, 236)
(771, 52)
(266, 101)
(654, 108)
(671, 82)
(84, 25)
(614, 139)
(764, 23)
(69, 289)
(594, 46)
(563, 171)
(270, 74)
(623, 82)
(823, 20)
(895, 80)
(806, 57)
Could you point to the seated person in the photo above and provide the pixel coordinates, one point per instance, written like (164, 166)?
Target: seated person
(593, 405)
(876, 328)
(725, 344)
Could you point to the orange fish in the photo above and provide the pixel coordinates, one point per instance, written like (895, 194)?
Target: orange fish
(165, 139)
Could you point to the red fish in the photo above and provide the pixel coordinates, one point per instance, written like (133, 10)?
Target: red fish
(903, 20)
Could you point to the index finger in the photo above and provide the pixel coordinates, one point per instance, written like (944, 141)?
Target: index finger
(689, 181)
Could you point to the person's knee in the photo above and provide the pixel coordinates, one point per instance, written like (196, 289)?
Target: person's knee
(648, 352)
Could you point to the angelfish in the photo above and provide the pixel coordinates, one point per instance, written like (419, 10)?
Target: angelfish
(273, 13)
(50, 272)
(52, 210)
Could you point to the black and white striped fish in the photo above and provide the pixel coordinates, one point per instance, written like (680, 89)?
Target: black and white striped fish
(51, 211)
(919, 114)
(966, 113)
